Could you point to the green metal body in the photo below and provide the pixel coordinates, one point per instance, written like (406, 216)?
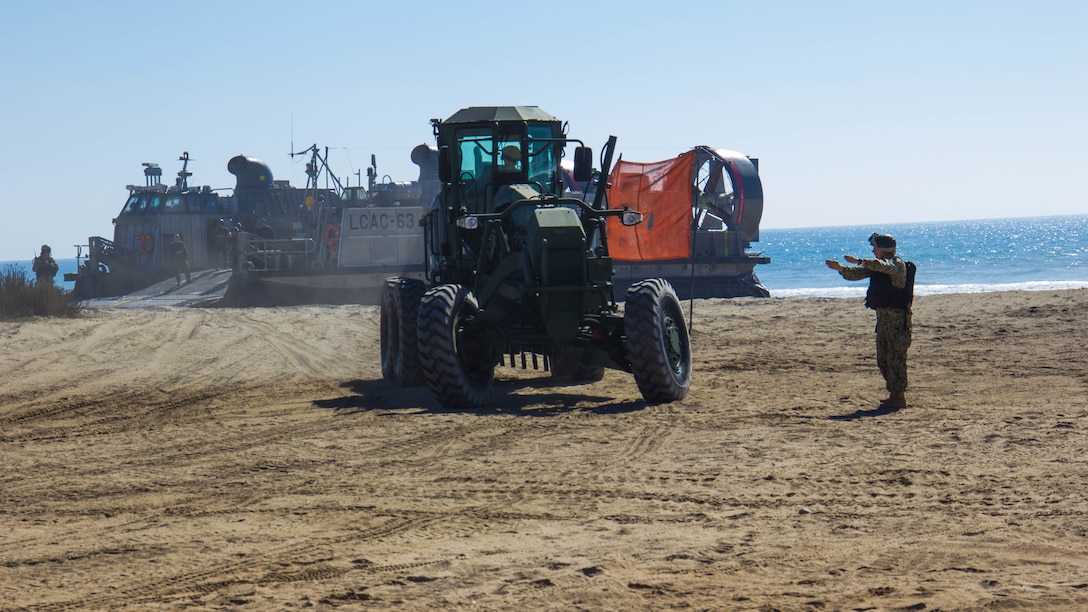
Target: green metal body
(536, 262)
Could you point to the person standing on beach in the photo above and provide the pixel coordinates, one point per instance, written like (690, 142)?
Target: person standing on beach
(221, 236)
(179, 257)
(44, 266)
(890, 294)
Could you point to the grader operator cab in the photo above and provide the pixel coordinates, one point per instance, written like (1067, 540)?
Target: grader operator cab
(513, 266)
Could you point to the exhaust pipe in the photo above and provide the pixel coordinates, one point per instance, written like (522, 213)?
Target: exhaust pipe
(252, 173)
(426, 157)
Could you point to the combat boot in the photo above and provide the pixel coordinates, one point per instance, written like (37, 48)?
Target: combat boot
(895, 400)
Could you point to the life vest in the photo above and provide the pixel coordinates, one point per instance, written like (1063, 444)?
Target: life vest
(882, 294)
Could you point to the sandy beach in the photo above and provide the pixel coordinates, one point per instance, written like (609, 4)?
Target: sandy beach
(254, 459)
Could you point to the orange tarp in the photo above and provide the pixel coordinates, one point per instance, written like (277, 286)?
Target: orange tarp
(661, 191)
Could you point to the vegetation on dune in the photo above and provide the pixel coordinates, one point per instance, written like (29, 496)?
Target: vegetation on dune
(21, 296)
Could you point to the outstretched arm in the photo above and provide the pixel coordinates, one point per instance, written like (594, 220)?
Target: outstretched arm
(849, 272)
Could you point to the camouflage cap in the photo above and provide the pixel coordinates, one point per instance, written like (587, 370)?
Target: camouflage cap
(882, 241)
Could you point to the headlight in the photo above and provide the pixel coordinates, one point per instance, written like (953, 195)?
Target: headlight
(469, 222)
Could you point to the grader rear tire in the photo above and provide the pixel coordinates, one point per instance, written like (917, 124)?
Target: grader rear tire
(657, 342)
(399, 345)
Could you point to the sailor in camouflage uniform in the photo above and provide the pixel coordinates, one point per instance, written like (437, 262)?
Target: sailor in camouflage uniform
(891, 292)
(44, 266)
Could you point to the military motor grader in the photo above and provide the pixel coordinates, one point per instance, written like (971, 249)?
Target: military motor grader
(514, 267)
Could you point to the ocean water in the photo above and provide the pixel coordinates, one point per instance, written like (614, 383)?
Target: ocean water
(1028, 254)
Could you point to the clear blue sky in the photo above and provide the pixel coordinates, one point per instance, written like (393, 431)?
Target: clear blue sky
(860, 112)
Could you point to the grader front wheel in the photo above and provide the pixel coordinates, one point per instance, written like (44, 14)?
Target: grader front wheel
(657, 342)
(458, 369)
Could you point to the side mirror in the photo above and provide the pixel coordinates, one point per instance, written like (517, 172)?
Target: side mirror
(583, 164)
(631, 217)
(445, 173)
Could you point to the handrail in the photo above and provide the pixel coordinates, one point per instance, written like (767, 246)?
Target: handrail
(278, 253)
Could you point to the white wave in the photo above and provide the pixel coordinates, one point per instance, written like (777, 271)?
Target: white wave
(858, 291)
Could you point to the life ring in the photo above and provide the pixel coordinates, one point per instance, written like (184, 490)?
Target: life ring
(146, 243)
(332, 238)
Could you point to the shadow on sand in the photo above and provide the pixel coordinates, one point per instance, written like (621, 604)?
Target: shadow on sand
(880, 410)
(370, 395)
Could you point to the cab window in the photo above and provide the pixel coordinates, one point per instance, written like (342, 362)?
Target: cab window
(132, 205)
(542, 158)
(154, 203)
(477, 150)
(174, 204)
